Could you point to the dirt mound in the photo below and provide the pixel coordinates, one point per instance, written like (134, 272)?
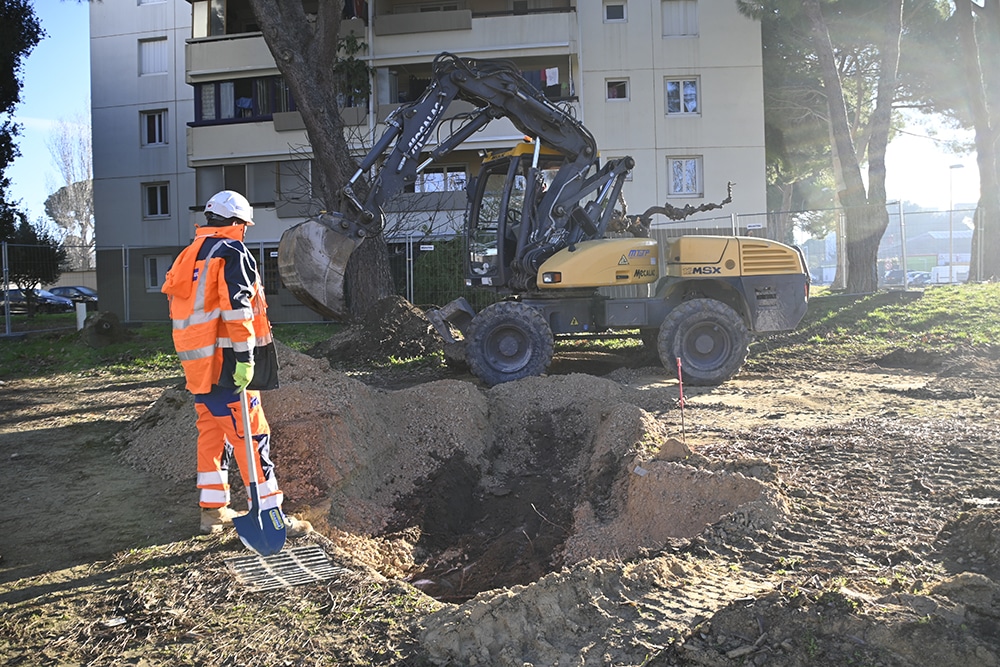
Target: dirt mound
(841, 626)
(595, 613)
(461, 489)
(394, 328)
(971, 541)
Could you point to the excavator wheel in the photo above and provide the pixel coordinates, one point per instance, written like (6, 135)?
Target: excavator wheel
(508, 341)
(312, 260)
(709, 337)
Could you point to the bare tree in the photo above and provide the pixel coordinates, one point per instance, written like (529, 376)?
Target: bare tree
(71, 207)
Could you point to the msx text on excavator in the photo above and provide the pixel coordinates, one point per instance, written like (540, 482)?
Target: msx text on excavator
(546, 227)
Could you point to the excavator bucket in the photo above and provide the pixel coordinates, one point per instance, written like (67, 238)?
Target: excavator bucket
(312, 259)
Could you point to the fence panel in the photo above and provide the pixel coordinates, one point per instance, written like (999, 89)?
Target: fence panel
(918, 248)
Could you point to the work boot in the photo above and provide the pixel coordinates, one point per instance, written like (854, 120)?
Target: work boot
(214, 519)
(296, 527)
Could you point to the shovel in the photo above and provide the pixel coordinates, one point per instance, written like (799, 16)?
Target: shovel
(261, 532)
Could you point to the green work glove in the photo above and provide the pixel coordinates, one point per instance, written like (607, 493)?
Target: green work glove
(243, 375)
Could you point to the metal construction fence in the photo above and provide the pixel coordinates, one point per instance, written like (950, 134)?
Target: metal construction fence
(917, 248)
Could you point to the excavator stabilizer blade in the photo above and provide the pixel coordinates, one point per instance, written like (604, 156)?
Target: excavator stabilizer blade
(312, 259)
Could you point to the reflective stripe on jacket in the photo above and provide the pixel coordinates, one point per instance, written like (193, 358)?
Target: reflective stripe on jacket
(217, 307)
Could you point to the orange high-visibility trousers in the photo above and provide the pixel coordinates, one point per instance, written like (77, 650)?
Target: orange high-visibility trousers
(220, 437)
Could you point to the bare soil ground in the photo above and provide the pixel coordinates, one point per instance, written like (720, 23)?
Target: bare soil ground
(800, 514)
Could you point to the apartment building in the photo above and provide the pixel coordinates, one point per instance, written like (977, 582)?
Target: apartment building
(187, 100)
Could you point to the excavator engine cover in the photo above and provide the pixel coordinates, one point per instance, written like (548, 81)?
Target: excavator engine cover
(312, 259)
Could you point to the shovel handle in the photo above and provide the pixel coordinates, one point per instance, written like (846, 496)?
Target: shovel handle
(251, 450)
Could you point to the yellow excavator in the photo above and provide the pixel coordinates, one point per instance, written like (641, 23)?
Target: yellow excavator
(546, 227)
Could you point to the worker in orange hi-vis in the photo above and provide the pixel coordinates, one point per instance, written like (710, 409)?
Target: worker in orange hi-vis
(223, 338)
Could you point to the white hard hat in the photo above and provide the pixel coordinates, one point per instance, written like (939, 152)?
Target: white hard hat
(229, 204)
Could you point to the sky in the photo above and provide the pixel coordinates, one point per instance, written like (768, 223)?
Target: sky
(56, 80)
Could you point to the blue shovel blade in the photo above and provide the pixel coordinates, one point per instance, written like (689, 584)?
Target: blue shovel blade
(263, 532)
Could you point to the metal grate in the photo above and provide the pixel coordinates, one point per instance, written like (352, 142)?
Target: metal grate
(290, 567)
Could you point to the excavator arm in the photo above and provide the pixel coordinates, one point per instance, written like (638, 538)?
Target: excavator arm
(313, 255)
(497, 90)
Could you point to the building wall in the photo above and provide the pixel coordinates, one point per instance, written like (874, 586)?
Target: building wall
(726, 134)
(119, 95)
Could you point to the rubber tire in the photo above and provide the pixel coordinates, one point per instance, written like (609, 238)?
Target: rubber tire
(710, 338)
(508, 341)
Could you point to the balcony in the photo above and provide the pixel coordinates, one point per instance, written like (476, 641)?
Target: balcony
(229, 55)
(401, 36)
(241, 142)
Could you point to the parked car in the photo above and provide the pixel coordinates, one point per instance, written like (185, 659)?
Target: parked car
(45, 302)
(918, 278)
(893, 277)
(78, 294)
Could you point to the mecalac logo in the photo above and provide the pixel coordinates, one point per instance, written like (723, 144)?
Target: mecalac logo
(420, 137)
(640, 252)
(194, 278)
(644, 273)
(702, 270)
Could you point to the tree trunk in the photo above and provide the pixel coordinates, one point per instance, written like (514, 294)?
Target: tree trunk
(865, 216)
(304, 52)
(986, 234)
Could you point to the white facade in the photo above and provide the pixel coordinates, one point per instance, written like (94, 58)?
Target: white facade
(143, 187)
(122, 99)
(676, 84)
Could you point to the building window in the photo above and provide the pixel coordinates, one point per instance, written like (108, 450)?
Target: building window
(209, 180)
(156, 200)
(152, 56)
(213, 18)
(241, 100)
(153, 126)
(293, 191)
(447, 178)
(156, 270)
(684, 177)
(614, 12)
(617, 89)
(680, 18)
(682, 96)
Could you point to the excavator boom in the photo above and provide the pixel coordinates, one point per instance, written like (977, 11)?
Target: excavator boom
(313, 255)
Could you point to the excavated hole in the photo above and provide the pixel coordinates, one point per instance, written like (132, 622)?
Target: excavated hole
(556, 501)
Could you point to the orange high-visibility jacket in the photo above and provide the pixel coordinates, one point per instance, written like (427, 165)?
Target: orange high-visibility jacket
(218, 310)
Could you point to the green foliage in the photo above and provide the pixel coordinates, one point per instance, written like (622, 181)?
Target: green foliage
(353, 75)
(20, 31)
(34, 256)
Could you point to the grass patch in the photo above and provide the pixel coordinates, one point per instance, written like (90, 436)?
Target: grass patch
(149, 350)
(945, 319)
(836, 328)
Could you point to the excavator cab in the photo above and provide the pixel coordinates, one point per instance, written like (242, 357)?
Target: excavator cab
(501, 218)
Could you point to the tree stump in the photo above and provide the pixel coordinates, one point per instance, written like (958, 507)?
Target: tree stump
(102, 329)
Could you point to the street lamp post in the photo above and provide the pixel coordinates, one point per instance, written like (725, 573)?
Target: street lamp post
(951, 221)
